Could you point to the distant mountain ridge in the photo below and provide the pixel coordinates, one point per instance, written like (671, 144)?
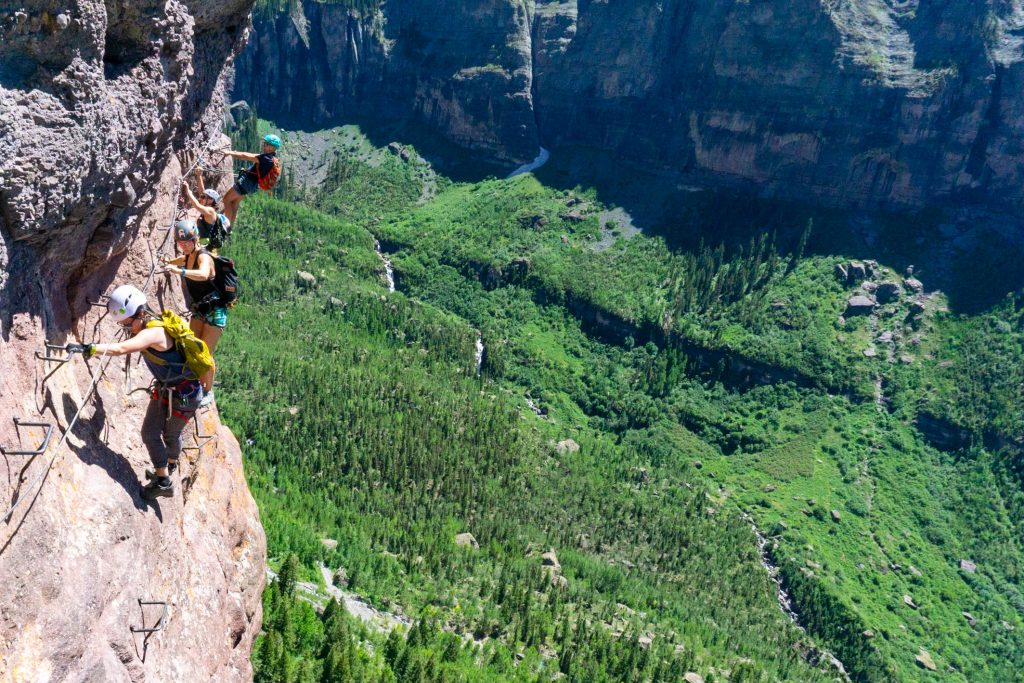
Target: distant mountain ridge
(846, 103)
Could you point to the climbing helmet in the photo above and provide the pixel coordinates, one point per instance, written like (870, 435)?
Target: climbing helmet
(185, 230)
(125, 302)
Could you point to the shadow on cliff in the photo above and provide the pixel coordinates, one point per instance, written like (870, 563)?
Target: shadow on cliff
(99, 454)
(974, 259)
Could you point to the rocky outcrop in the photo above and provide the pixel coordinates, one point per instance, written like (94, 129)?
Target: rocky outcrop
(95, 101)
(847, 103)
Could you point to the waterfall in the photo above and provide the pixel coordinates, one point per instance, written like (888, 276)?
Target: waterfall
(389, 271)
(785, 602)
(479, 352)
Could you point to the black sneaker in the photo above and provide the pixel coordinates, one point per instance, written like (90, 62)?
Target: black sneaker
(172, 467)
(161, 487)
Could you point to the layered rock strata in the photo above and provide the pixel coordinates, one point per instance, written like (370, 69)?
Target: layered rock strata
(97, 101)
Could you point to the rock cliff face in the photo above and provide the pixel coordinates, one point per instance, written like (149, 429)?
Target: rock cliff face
(891, 104)
(96, 99)
(464, 72)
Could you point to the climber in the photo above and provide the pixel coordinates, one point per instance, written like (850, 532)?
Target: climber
(263, 174)
(196, 267)
(176, 390)
(214, 227)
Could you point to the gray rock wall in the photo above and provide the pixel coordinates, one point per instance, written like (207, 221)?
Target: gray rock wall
(849, 103)
(465, 73)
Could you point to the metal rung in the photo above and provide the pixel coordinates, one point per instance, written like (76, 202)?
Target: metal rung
(46, 439)
(101, 301)
(159, 624)
(45, 355)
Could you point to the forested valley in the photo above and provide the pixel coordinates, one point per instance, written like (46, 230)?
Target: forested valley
(651, 442)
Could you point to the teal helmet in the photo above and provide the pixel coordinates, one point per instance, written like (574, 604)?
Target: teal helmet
(272, 140)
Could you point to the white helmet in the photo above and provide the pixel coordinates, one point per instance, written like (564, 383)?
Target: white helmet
(125, 302)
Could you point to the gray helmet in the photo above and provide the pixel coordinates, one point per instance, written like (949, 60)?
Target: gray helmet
(185, 230)
(213, 194)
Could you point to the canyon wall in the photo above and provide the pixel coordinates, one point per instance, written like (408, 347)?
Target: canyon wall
(892, 104)
(98, 102)
(461, 70)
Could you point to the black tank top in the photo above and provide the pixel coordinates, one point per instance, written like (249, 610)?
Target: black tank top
(197, 290)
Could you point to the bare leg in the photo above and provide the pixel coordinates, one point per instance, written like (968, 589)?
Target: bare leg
(231, 201)
(211, 335)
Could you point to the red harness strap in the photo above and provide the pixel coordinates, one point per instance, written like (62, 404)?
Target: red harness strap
(177, 413)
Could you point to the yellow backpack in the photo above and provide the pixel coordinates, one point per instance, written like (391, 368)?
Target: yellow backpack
(197, 353)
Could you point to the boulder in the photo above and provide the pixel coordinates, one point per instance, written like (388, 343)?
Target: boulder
(305, 280)
(559, 582)
(567, 446)
(842, 273)
(550, 560)
(329, 543)
(885, 337)
(394, 148)
(968, 566)
(1007, 625)
(860, 305)
(888, 291)
(467, 540)
(870, 352)
(869, 287)
(869, 633)
(970, 618)
(906, 359)
(691, 677)
(858, 271)
(340, 578)
(925, 660)
(914, 285)
(645, 642)
(909, 602)
(914, 570)
(574, 216)
(836, 517)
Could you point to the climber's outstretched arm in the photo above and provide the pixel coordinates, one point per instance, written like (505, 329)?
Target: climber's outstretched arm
(143, 340)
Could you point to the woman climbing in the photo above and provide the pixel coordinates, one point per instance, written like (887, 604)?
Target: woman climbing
(214, 227)
(177, 392)
(196, 267)
(263, 174)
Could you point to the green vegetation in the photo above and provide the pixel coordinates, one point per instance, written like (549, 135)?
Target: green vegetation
(633, 403)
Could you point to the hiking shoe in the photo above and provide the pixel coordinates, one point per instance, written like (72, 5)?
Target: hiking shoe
(207, 400)
(172, 467)
(158, 489)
